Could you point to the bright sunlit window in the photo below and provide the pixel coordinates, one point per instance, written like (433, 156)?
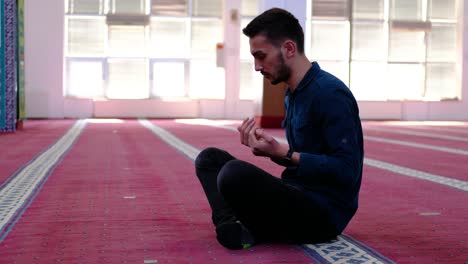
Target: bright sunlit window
(136, 49)
(251, 82)
(388, 49)
(166, 81)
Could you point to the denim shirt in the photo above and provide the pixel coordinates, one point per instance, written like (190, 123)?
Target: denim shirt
(322, 124)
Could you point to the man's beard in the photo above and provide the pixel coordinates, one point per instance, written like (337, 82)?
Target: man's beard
(283, 72)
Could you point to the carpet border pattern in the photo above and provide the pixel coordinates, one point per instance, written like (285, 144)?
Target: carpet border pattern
(20, 189)
(344, 249)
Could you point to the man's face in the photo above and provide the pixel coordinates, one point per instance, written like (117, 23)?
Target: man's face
(269, 60)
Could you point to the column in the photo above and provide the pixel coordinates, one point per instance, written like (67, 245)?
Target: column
(7, 65)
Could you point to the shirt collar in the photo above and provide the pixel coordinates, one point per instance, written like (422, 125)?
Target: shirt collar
(308, 77)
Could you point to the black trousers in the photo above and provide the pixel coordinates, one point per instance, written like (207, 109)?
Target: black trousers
(272, 210)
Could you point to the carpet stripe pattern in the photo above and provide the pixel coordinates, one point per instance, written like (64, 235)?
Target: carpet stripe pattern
(458, 184)
(120, 194)
(25, 144)
(417, 145)
(417, 133)
(407, 219)
(184, 148)
(19, 190)
(340, 250)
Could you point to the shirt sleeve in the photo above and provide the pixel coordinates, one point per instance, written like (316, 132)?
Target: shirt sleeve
(342, 159)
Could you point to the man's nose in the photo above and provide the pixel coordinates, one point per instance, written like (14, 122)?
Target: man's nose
(258, 67)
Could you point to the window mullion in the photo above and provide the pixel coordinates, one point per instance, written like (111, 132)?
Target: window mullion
(425, 14)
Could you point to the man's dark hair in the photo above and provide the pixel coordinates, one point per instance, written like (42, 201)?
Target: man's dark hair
(277, 25)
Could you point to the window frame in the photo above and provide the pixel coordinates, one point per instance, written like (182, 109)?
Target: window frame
(106, 9)
(421, 23)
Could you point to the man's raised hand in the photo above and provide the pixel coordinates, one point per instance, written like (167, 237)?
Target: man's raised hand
(247, 127)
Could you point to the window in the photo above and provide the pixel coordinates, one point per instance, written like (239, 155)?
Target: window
(368, 80)
(368, 9)
(207, 79)
(369, 41)
(207, 8)
(408, 10)
(171, 8)
(330, 9)
(127, 41)
(168, 79)
(443, 10)
(407, 46)
(330, 40)
(86, 36)
(127, 7)
(387, 49)
(114, 51)
(328, 30)
(205, 33)
(169, 38)
(128, 79)
(85, 78)
(249, 8)
(84, 7)
(251, 82)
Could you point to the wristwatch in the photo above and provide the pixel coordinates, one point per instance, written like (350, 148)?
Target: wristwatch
(288, 156)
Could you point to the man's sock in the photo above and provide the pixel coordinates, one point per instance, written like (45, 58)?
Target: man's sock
(234, 235)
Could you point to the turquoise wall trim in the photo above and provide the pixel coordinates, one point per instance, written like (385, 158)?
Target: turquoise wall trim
(8, 69)
(2, 66)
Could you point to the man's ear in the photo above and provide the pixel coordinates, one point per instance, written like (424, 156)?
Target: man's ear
(290, 48)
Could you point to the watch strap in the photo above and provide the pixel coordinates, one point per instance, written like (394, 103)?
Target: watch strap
(289, 154)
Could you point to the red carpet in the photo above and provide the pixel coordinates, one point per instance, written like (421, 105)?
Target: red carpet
(20, 147)
(411, 221)
(121, 195)
(420, 139)
(440, 163)
(455, 128)
(405, 219)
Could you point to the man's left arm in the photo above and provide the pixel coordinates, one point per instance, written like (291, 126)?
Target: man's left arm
(340, 122)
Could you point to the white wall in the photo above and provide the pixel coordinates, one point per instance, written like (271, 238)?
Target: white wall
(44, 29)
(44, 34)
